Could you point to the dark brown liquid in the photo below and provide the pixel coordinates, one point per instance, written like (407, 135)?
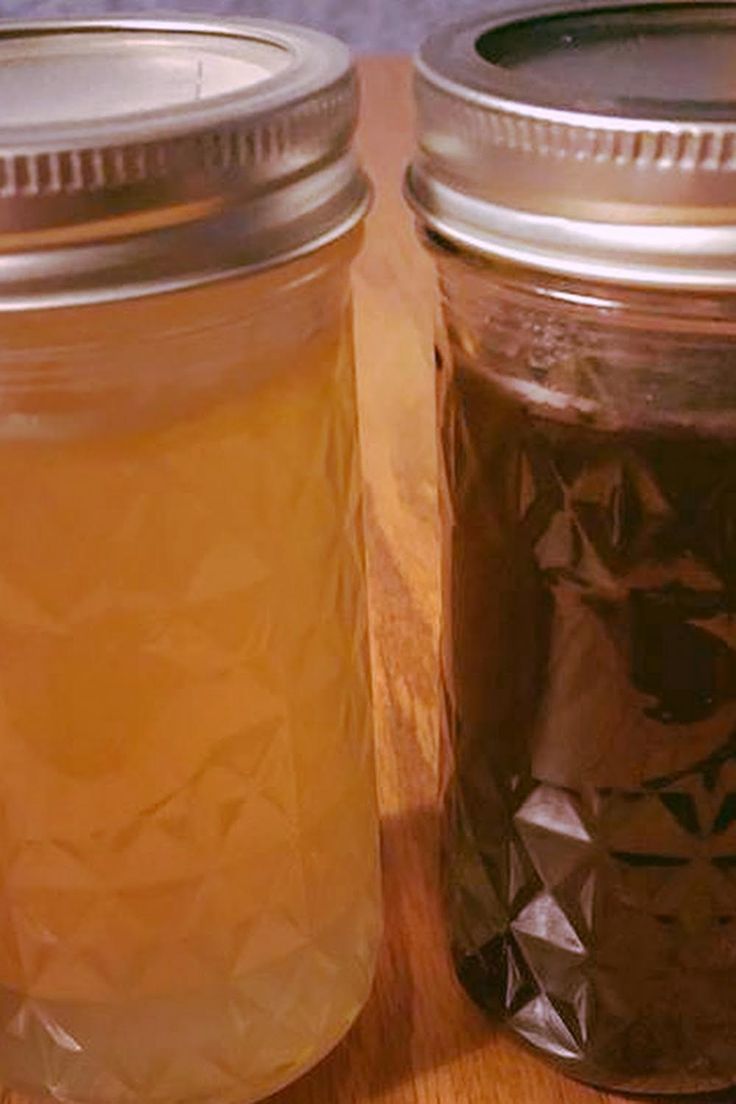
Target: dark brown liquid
(590, 674)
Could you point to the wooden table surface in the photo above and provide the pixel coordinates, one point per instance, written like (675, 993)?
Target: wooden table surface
(419, 1041)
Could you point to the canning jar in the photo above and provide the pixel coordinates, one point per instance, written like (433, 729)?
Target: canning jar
(575, 183)
(189, 906)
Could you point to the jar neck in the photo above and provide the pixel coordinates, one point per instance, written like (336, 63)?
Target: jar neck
(634, 305)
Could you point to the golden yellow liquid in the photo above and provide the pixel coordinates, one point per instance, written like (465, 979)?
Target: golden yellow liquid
(188, 870)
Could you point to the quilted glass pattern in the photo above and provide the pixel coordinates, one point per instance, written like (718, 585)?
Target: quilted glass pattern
(590, 693)
(188, 858)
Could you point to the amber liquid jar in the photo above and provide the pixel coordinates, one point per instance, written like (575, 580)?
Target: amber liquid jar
(190, 906)
(587, 417)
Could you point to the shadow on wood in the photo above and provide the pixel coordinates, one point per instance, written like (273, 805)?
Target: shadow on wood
(407, 1024)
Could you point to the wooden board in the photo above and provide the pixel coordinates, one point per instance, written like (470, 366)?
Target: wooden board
(419, 1041)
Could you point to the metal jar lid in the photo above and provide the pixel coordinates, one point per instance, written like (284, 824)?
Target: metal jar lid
(144, 154)
(595, 142)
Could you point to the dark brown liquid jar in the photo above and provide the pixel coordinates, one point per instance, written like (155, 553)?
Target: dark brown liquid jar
(576, 183)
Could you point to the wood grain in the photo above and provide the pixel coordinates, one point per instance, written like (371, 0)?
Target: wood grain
(419, 1041)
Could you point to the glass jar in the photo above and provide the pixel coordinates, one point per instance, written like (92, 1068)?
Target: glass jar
(587, 407)
(188, 842)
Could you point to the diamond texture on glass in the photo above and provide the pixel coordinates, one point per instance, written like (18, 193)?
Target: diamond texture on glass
(187, 819)
(590, 690)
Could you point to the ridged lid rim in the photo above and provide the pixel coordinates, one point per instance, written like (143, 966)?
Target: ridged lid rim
(265, 172)
(504, 157)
